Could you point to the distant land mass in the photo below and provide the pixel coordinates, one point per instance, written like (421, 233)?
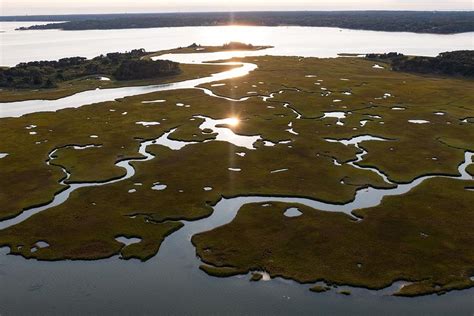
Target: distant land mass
(391, 21)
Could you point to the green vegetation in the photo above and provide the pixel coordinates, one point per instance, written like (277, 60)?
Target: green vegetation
(319, 289)
(256, 277)
(122, 66)
(344, 292)
(458, 63)
(237, 46)
(311, 86)
(470, 169)
(184, 197)
(423, 237)
(145, 69)
(134, 69)
(430, 227)
(66, 88)
(197, 48)
(222, 272)
(406, 21)
(225, 47)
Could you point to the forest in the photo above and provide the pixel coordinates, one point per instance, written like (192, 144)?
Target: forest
(456, 63)
(391, 21)
(121, 66)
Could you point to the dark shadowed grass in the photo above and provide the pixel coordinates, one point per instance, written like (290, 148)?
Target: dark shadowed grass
(423, 237)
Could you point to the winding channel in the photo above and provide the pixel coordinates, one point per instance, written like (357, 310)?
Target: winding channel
(19, 108)
(177, 247)
(64, 195)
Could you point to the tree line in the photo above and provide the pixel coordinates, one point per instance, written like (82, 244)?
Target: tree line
(457, 63)
(121, 66)
(391, 21)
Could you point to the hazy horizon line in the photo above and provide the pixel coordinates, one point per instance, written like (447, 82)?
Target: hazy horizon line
(236, 11)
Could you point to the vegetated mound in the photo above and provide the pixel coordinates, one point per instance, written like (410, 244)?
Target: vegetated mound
(229, 46)
(145, 69)
(457, 63)
(121, 66)
(237, 46)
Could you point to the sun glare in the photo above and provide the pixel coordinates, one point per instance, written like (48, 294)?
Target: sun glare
(238, 33)
(232, 121)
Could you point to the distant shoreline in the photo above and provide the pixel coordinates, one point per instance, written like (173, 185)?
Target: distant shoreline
(432, 22)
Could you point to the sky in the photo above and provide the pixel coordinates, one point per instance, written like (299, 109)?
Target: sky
(31, 7)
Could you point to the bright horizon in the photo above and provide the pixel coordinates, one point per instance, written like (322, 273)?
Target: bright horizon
(52, 7)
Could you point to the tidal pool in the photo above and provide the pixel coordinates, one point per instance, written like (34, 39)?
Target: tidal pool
(159, 186)
(293, 212)
(154, 101)
(419, 121)
(226, 134)
(146, 124)
(337, 115)
(128, 241)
